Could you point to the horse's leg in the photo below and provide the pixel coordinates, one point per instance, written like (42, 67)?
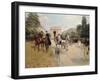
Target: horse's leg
(38, 47)
(43, 46)
(46, 47)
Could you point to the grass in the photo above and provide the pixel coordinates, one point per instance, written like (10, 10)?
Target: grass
(38, 58)
(35, 58)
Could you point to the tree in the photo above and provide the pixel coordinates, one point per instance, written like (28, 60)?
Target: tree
(32, 20)
(79, 28)
(83, 31)
(31, 24)
(84, 21)
(85, 28)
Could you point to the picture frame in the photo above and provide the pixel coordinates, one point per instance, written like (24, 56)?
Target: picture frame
(20, 68)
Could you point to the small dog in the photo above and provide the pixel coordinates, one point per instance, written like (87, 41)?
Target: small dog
(57, 53)
(57, 49)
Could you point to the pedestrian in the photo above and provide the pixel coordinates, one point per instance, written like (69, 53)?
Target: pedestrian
(47, 41)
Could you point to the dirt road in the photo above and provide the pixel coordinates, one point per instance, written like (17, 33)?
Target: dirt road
(74, 55)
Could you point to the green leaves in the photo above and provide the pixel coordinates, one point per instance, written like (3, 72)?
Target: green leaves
(32, 20)
(83, 29)
(31, 24)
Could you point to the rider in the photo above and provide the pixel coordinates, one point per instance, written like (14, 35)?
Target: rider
(48, 37)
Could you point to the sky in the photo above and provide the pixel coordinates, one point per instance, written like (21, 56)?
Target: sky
(65, 21)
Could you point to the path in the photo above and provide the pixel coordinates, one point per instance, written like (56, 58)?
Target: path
(73, 56)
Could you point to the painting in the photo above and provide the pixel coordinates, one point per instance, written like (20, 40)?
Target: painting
(54, 40)
(50, 40)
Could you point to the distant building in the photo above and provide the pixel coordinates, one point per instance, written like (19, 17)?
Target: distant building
(55, 30)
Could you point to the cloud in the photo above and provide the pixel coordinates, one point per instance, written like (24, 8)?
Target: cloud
(73, 20)
(43, 17)
(64, 21)
(44, 20)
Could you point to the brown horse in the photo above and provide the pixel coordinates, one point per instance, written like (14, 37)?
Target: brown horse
(38, 41)
(41, 42)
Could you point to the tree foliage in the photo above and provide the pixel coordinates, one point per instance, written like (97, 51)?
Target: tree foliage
(72, 33)
(32, 20)
(31, 24)
(83, 31)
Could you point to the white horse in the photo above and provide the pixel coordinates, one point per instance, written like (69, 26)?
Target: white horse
(61, 42)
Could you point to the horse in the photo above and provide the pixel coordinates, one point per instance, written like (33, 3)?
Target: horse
(38, 41)
(41, 41)
(59, 41)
